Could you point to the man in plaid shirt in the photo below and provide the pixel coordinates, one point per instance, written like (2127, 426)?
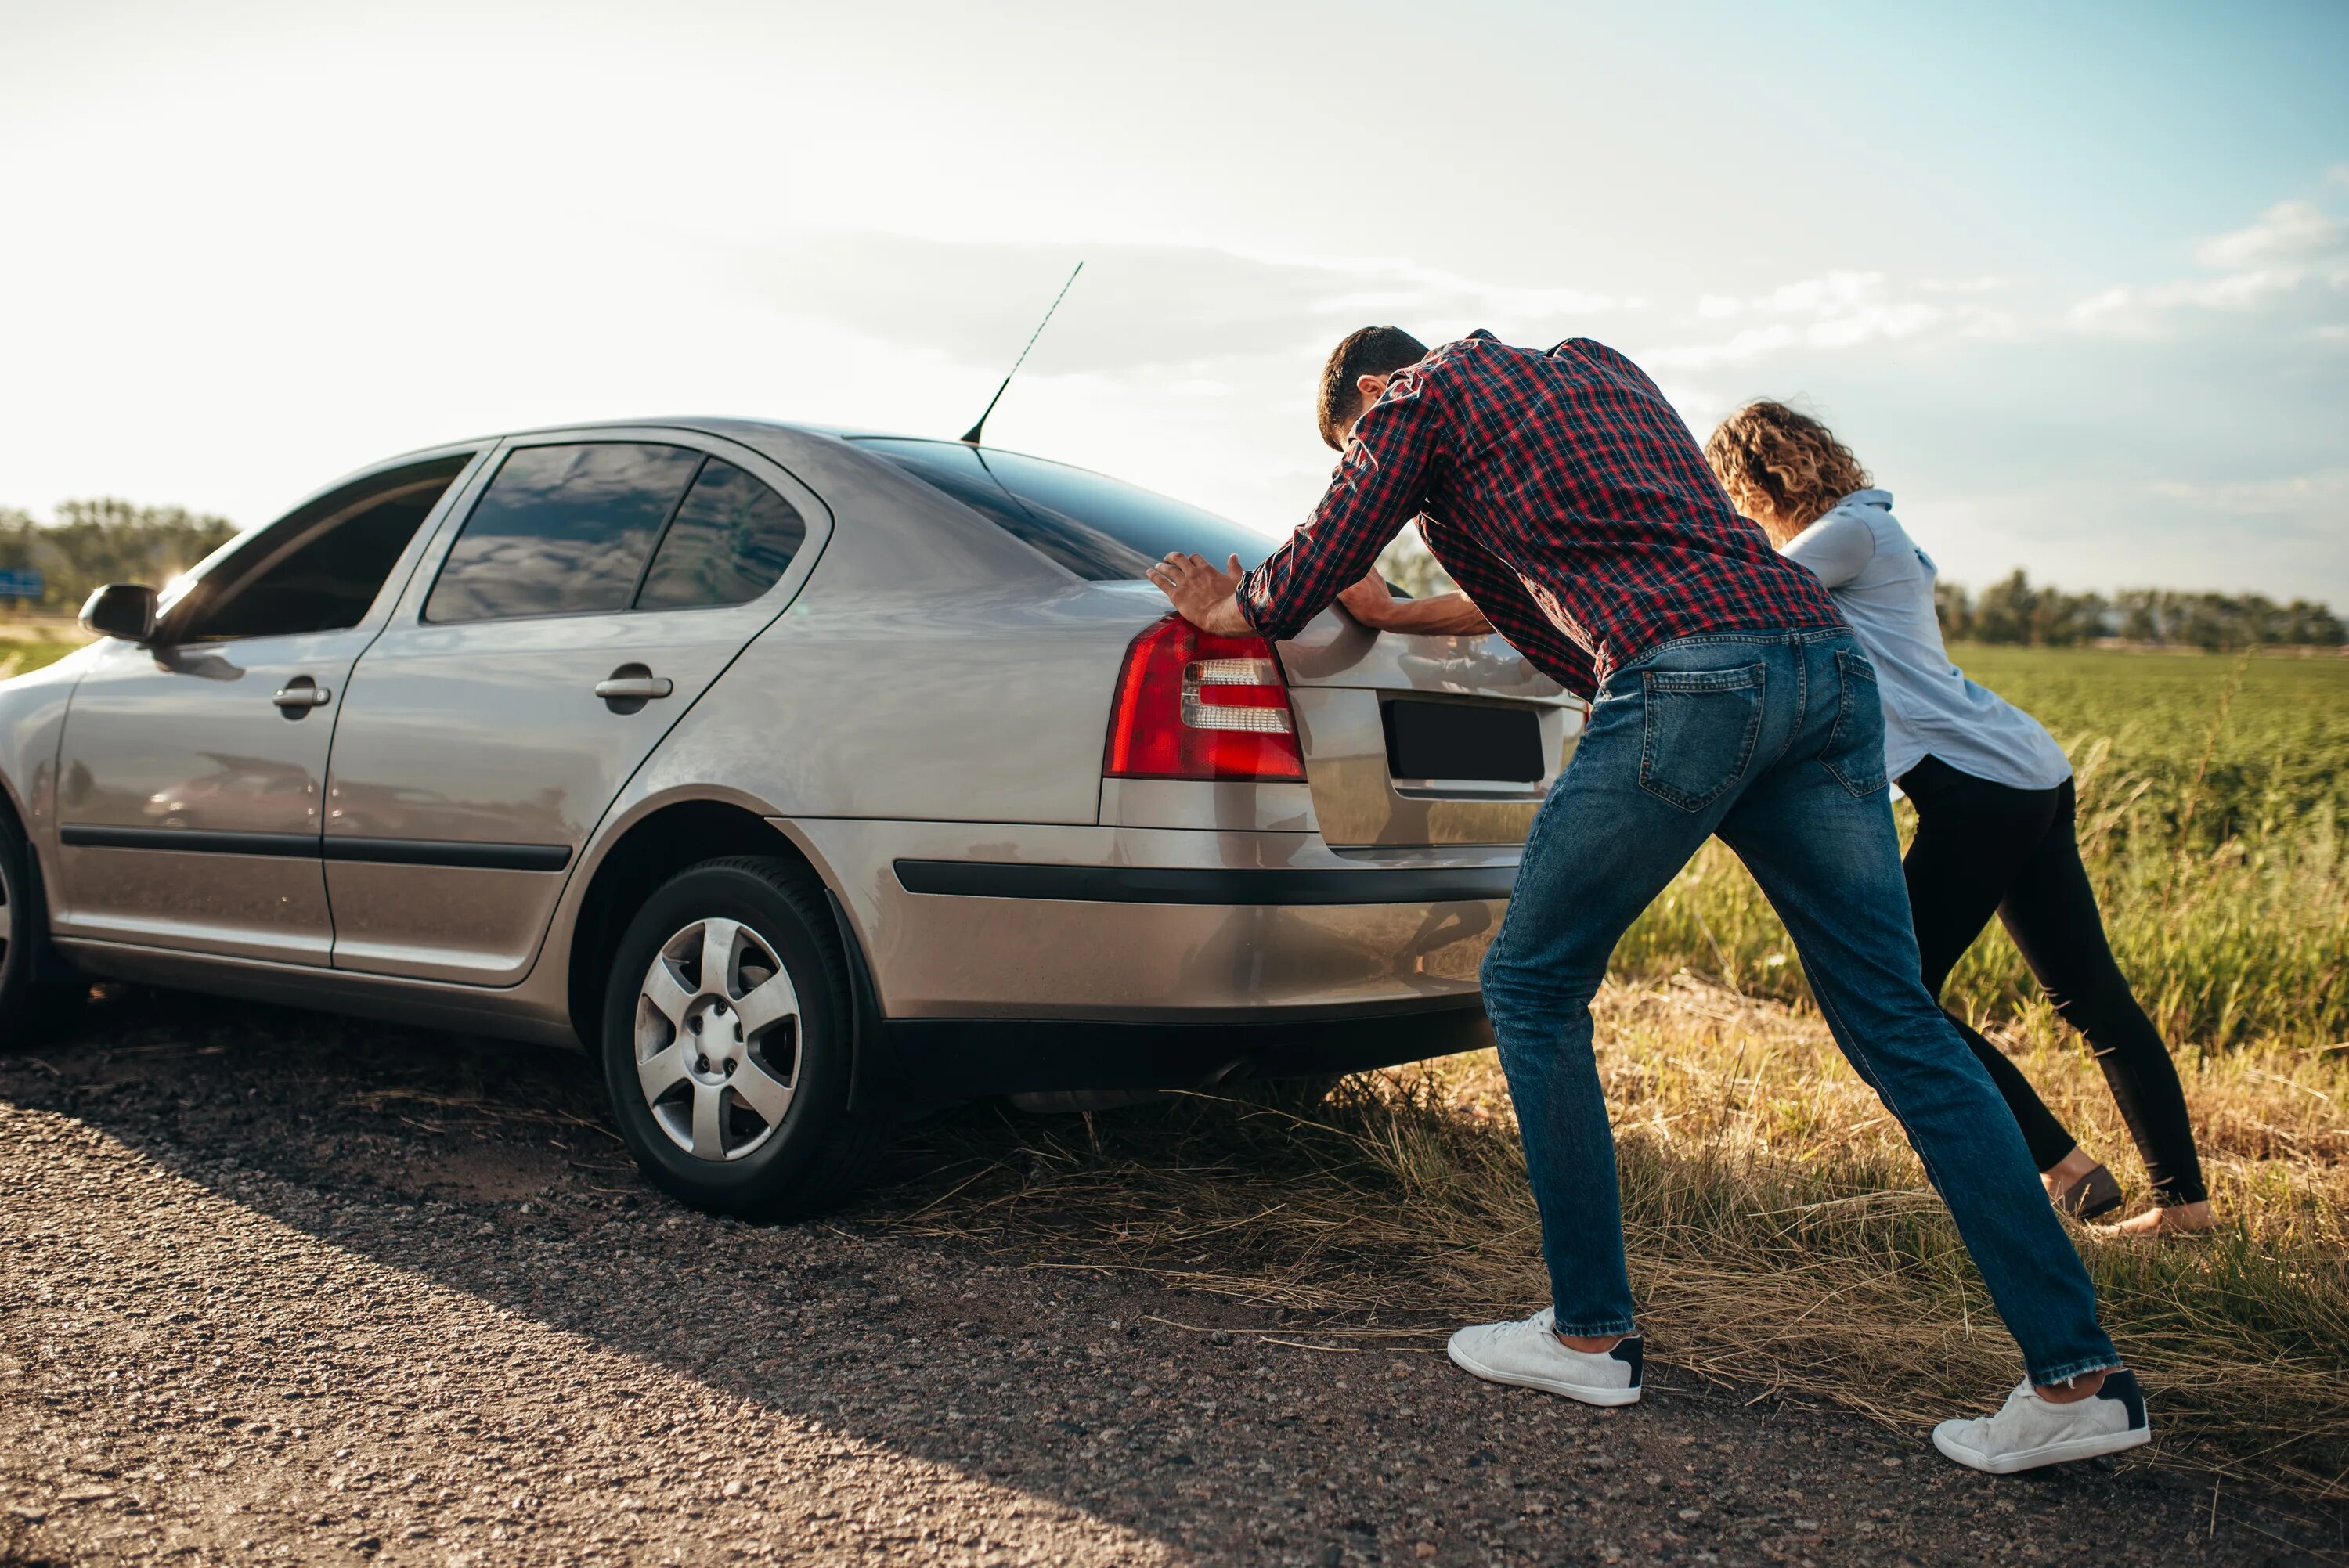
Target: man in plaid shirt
(1576, 511)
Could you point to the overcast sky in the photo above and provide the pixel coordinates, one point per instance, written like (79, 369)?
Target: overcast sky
(2075, 286)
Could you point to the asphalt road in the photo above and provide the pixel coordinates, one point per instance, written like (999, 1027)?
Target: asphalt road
(280, 1288)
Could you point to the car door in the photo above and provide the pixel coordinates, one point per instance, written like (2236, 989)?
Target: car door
(192, 767)
(597, 586)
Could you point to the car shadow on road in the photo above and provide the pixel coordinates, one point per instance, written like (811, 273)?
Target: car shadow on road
(491, 1168)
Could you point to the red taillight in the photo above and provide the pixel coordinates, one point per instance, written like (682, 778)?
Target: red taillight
(1194, 706)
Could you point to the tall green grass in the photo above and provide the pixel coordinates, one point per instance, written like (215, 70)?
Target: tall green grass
(2211, 794)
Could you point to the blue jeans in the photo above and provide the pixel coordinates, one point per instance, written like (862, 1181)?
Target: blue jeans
(1773, 740)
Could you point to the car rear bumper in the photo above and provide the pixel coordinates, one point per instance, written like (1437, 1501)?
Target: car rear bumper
(946, 1059)
(1035, 925)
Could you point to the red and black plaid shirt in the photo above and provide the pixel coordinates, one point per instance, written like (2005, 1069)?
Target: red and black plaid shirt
(1565, 496)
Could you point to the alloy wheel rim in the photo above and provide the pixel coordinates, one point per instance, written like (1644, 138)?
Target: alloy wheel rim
(717, 1040)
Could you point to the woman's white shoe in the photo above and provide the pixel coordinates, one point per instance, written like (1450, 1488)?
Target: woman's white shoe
(1526, 1354)
(2030, 1432)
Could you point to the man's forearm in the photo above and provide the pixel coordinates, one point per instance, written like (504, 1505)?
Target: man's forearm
(1224, 619)
(1440, 615)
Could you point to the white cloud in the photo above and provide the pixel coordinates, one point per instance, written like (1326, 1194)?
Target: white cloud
(2289, 495)
(2293, 258)
(1837, 310)
(2294, 254)
(1138, 308)
(2288, 233)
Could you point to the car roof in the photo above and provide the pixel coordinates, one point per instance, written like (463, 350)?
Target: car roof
(708, 424)
(705, 423)
(712, 424)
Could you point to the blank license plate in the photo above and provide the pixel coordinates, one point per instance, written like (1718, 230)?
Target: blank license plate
(1463, 741)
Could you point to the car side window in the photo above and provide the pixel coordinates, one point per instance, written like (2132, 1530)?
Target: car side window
(318, 569)
(563, 531)
(730, 541)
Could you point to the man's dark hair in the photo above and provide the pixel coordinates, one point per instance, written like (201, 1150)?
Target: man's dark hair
(1366, 351)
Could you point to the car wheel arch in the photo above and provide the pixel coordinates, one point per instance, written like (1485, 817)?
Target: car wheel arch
(48, 964)
(646, 853)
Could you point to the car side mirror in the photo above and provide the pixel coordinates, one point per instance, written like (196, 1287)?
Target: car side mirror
(121, 609)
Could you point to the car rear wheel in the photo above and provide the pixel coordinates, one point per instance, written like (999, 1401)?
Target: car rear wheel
(728, 1043)
(30, 1009)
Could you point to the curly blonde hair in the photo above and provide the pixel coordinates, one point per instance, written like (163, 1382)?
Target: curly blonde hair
(1784, 468)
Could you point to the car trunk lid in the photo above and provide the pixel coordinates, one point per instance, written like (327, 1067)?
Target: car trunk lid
(1418, 740)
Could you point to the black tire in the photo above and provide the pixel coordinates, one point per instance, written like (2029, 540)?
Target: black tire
(30, 1009)
(818, 1151)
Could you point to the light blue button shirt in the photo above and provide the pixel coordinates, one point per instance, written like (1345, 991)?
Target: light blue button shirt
(1884, 586)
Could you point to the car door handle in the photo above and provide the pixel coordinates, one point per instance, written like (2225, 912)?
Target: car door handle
(618, 687)
(301, 695)
(629, 687)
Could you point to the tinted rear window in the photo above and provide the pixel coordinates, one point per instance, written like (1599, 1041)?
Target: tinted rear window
(562, 531)
(1102, 529)
(730, 542)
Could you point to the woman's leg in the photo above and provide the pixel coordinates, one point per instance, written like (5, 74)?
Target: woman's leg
(1972, 838)
(2050, 912)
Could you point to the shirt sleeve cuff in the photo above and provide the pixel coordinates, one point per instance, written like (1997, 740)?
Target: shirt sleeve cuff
(1254, 613)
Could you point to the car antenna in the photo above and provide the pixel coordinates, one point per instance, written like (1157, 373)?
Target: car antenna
(970, 436)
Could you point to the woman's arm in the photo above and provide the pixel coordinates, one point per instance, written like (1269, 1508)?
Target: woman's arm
(1373, 604)
(1835, 548)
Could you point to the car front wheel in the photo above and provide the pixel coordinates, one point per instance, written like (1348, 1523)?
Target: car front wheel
(728, 1043)
(30, 1009)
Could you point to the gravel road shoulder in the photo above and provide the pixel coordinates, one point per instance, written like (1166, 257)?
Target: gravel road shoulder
(281, 1287)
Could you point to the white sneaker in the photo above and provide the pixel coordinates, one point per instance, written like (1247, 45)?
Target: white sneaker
(2030, 1432)
(1527, 1355)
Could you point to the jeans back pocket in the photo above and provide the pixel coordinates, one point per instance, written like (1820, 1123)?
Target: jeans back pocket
(1701, 729)
(1855, 752)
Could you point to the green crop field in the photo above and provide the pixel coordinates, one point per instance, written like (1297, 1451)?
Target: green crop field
(28, 642)
(2214, 793)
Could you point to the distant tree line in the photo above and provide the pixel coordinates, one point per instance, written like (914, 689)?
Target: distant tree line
(106, 540)
(2015, 610)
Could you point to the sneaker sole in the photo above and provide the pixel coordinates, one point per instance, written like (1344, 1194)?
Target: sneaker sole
(1583, 1392)
(2056, 1453)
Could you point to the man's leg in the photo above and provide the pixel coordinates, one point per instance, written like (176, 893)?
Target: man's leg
(1600, 850)
(1816, 832)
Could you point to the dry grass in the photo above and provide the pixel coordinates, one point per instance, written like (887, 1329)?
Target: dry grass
(1781, 1232)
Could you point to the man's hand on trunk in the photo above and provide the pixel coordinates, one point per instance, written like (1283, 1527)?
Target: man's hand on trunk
(1203, 595)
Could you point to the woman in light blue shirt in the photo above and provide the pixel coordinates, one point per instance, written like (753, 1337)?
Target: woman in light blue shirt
(1994, 810)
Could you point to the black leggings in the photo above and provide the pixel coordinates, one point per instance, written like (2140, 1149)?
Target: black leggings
(1981, 848)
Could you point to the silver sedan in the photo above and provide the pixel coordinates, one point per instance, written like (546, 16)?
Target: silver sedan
(801, 774)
